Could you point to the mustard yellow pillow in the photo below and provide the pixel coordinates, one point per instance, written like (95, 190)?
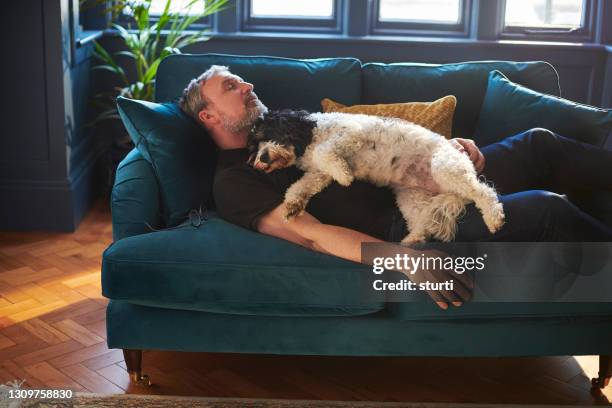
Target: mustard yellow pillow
(436, 116)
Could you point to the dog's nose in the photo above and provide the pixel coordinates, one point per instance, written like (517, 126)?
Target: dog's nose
(265, 157)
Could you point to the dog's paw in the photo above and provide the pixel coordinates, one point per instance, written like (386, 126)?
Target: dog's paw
(344, 179)
(495, 218)
(293, 209)
(412, 239)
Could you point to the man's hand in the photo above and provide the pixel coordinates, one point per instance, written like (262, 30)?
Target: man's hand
(463, 284)
(468, 147)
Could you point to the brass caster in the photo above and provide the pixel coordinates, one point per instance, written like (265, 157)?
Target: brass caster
(140, 380)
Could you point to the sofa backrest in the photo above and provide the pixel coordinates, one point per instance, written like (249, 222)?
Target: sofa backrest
(301, 84)
(293, 83)
(279, 82)
(411, 82)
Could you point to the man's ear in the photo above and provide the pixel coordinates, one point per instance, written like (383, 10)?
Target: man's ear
(208, 118)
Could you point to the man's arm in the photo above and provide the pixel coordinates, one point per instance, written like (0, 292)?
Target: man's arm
(345, 243)
(308, 231)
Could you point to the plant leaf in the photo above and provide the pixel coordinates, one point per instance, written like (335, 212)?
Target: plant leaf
(129, 54)
(141, 15)
(108, 68)
(151, 72)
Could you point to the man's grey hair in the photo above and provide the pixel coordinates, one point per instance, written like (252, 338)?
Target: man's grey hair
(193, 101)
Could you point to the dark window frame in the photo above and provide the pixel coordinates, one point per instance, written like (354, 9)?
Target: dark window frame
(323, 25)
(585, 33)
(481, 20)
(410, 28)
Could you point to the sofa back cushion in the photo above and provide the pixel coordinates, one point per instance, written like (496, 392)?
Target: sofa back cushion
(181, 156)
(410, 82)
(279, 82)
(510, 108)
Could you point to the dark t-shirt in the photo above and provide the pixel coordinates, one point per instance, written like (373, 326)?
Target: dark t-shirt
(244, 194)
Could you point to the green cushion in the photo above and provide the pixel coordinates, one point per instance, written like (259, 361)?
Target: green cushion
(223, 268)
(413, 82)
(510, 108)
(280, 83)
(182, 156)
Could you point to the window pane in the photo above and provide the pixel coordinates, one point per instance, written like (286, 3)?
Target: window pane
(157, 7)
(434, 11)
(544, 13)
(292, 9)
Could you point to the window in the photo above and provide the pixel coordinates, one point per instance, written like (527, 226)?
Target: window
(183, 7)
(289, 9)
(544, 13)
(421, 17)
(157, 7)
(297, 16)
(430, 11)
(552, 19)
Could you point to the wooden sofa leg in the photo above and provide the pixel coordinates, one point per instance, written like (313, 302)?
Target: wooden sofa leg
(605, 372)
(133, 361)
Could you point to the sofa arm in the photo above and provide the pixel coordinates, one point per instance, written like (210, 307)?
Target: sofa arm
(135, 197)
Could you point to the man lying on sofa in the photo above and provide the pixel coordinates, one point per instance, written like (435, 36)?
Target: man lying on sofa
(529, 170)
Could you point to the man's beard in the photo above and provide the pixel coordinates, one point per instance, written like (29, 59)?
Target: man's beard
(252, 113)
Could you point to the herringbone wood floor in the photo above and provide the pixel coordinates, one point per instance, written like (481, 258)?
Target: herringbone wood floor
(52, 334)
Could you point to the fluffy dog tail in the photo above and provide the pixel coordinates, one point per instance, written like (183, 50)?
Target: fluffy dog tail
(445, 208)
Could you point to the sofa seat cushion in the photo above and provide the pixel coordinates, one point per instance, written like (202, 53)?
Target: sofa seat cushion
(219, 267)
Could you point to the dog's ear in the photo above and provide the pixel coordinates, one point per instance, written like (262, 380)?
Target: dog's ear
(252, 141)
(260, 134)
(251, 158)
(256, 128)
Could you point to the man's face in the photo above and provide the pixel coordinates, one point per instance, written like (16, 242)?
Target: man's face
(233, 101)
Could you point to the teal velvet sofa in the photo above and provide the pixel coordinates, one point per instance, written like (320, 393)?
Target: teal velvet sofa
(205, 285)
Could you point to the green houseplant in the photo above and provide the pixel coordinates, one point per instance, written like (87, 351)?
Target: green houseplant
(146, 39)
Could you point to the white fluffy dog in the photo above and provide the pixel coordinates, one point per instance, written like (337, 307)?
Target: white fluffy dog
(431, 179)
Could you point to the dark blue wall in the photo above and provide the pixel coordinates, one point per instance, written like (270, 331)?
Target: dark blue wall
(47, 157)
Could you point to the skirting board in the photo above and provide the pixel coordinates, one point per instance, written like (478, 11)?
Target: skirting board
(49, 205)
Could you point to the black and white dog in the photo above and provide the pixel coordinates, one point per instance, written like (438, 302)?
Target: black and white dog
(431, 179)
